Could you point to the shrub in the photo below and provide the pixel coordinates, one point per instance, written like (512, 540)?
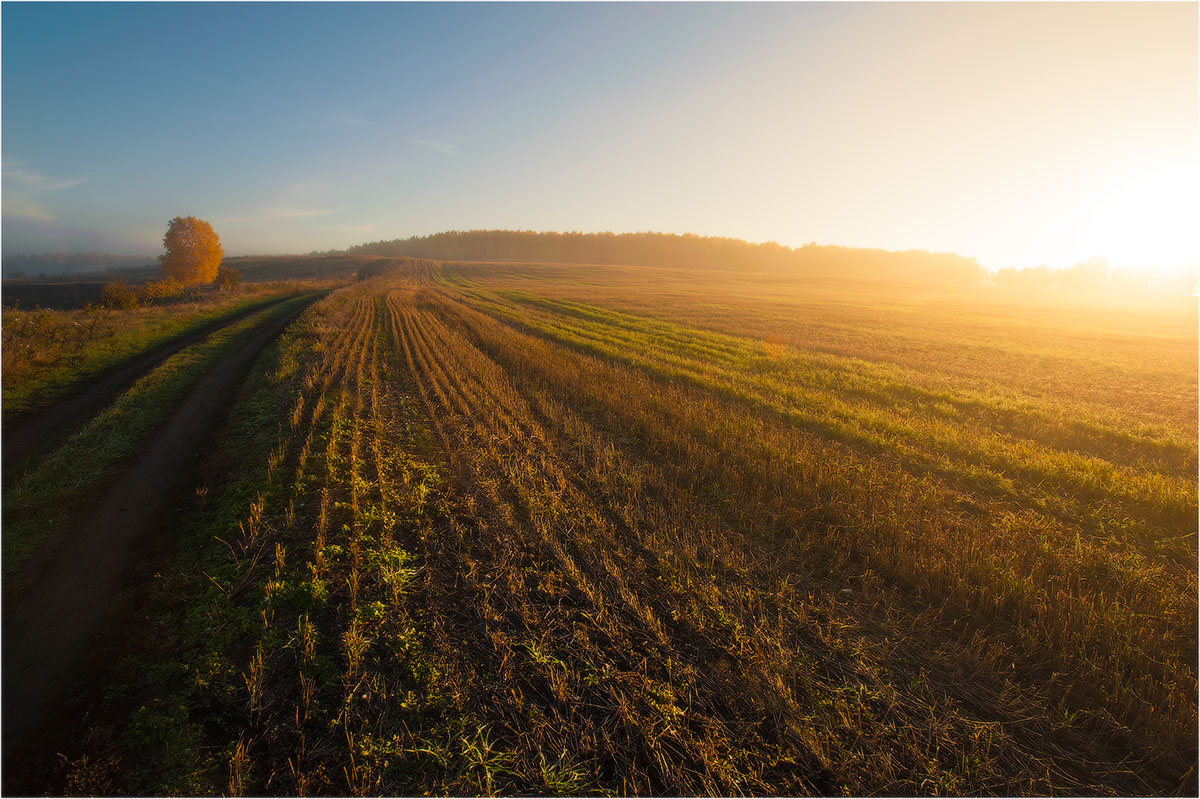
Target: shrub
(166, 289)
(228, 278)
(118, 295)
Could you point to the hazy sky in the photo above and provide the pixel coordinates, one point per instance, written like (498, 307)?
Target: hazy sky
(1018, 133)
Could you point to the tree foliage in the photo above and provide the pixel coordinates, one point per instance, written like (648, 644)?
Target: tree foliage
(193, 250)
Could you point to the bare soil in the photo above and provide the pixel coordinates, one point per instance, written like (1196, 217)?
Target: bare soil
(49, 628)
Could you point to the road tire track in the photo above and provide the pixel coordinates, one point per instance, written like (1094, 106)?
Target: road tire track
(35, 431)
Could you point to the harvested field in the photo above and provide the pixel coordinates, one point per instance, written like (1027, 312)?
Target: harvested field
(478, 529)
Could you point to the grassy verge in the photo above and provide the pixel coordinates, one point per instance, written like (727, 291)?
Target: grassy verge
(58, 486)
(50, 354)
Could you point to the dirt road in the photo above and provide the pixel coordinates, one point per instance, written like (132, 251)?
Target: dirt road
(48, 629)
(36, 431)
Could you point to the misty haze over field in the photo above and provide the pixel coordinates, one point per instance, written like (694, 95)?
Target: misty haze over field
(1016, 134)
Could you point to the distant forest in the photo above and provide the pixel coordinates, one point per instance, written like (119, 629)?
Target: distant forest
(62, 263)
(662, 249)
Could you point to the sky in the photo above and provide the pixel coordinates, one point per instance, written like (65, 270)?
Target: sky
(1018, 133)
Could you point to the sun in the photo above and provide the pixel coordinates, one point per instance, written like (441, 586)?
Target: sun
(1150, 221)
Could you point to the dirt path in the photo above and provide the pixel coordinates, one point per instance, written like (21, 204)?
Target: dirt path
(29, 433)
(47, 630)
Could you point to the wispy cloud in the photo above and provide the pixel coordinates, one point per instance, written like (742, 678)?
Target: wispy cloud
(445, 148)
(31, 179)
(22, 187)
(17, 205)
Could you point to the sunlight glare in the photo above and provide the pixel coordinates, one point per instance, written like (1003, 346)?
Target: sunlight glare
(1151, 222)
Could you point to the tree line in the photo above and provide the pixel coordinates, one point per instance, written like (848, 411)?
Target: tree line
(65, 263)
(1096, 276)
(687, 250)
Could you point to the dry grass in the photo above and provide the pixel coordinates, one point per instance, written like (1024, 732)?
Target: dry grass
(524, 533)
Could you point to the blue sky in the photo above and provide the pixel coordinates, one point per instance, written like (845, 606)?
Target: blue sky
(1016, 132)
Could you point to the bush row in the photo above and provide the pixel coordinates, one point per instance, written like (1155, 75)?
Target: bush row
(119, 294)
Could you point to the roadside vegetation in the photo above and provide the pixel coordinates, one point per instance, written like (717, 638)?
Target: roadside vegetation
(58, 486)
(48, 354)
(539, 529)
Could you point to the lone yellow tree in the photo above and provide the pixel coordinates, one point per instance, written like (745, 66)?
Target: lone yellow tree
(193, 250)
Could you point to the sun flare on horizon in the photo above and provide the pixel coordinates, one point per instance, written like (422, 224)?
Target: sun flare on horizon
(1149, 221)
(1020, 135)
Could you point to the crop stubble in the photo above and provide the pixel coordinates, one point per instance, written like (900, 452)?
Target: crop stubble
(513, 542)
